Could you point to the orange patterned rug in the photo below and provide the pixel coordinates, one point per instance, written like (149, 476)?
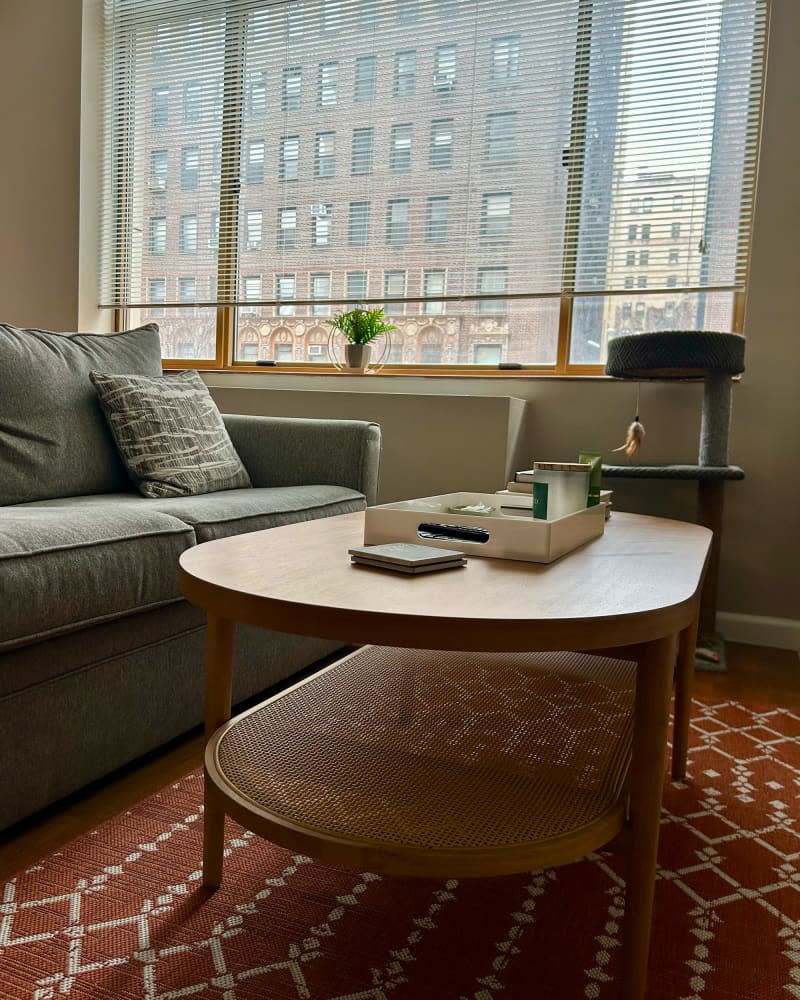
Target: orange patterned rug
(120, 914)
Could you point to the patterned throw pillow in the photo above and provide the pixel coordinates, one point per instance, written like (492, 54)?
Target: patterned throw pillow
(170, 434)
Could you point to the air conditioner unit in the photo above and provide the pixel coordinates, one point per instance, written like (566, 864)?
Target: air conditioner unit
(442, 81)
(320, 211)
(157, 183)
(254, 244)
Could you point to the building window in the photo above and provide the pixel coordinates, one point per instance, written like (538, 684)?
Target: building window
(644, 257)
(287, 228)
(321, 225)
(394, 286)
(158, 235)
(320, 289)
(192, 102)
(492, 281)
(187, 240)
(501, 132)
(254, 171)
(627, 310)
(356, 287)
(158, 170)
(672, 281)
(630, 258)
(397, 222)
(629, 281)
(441, 151)
(641, 281)
(400, 148)
(190, 167)
(677, 202)
(365, 78)
(632, 232)
(160, 107)
(361, 153)
(213, 230)
(291, 87)
(187, 292)
(430, 348)
(646, 231)
(673, 257)
(282, 351)
(669, 310)
(156, 293)
(647, 204)
(358, 224)
(634, 206)
(289, 158)
(328, 82)
(257, 93)
(405, 71)
(504, 60)
(488, 354)
(252, 292)
(433, 283)
(640, 309)
(253, 218)
(325, 154)
(436, 218)
(444, 69)
(496, 216)
(285, 293)
(676, 230)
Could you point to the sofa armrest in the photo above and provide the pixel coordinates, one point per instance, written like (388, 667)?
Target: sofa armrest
(300, 451)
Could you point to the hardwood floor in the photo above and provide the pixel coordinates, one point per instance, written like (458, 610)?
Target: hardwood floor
(755, 674)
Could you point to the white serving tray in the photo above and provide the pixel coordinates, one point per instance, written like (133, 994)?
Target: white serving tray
(511, 534)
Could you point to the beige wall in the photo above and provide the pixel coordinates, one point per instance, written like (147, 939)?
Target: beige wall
(761, 551)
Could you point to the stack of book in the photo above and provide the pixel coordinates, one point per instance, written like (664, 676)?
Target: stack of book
(407, 557)
(519, 493)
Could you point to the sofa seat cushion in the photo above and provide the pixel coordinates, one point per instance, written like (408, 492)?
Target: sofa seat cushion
(65, 565)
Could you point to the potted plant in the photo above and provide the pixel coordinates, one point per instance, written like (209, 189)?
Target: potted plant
(359, 327)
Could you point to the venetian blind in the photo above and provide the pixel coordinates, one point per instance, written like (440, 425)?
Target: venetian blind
(444, 149)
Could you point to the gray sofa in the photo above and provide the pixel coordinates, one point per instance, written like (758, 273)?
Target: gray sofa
(101, 660)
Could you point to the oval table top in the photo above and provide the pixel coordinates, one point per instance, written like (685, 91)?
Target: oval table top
(637, 582)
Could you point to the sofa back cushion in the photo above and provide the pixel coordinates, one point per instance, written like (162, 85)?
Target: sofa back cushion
(54, 439)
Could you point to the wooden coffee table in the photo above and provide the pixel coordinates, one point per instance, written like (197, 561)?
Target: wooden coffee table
(542, 742)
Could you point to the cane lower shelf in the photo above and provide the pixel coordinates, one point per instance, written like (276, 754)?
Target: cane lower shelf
(434, 763)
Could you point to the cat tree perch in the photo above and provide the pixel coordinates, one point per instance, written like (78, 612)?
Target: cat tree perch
(691, 356)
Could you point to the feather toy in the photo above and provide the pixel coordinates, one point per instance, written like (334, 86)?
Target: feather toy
(636, 432)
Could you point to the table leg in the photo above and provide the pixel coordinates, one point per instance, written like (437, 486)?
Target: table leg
(653, 688)
(684, 682)
(219, 674)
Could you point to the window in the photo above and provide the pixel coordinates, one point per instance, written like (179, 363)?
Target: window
(356, 287)
(252, 292)
(397, 222)
(669, 310)
(320, 289)
(321, 225)
(405, 71)
(501, 129)
(627, 310)
(433, 283)
(284, 293)
(365, 78)
(158, 235)
(192, 106)
(160, 107)
(257, 93)
(361, 154)
(156, 292)
(291, 88)
(504, 66)
(400, 148)
(497, 150)
(158, 170)
(640, 309)
(187, 240)
(190, 166)
(254, 172)
(444, 69)
(641, 281)
(289, 159)
(187, 292)
(325, 154)
(253, 229)
(287, 228)
(394, 286)
(492, 281)
(441, 152)
(496, 217)
(358, 225)
(438, 210)
(328, 82)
